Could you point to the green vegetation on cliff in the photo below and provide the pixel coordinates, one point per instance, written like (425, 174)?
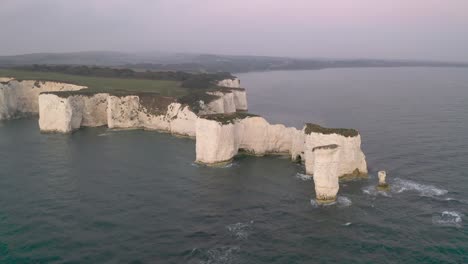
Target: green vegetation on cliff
(324, 130)
(102, 84)
(104, 79)
(227, 118)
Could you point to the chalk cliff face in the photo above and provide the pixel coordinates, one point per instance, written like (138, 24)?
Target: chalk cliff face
(64, 114)
(215, 143)
(225, 103)
(129, 112)
(327, 153)
(231, 83)
(140, 110)
(252, 134)
(20, 98)
(352, 159)
(240, 99)
(326, 176)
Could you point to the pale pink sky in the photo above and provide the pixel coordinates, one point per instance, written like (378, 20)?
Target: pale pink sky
(419, 29)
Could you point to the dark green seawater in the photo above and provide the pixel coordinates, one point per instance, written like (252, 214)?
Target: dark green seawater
(102, 196)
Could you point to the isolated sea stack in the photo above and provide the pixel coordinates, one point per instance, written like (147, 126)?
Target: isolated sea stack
(383, 185)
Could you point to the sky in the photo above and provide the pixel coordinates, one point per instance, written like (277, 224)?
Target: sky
(388, 29)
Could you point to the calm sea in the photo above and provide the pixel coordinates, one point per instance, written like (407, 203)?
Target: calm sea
(103, 196)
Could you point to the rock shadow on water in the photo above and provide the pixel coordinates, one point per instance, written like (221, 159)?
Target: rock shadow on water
(224, 165)
(341, 202)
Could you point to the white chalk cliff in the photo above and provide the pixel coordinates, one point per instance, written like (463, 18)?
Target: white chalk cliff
(64, 114)
(352, 159)
(219, 138)
(231, 83)
(216, 119)
(20, 98)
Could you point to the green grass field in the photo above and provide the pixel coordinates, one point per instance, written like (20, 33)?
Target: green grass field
(167, 88)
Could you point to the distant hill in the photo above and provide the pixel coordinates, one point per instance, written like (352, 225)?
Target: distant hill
(204, 62)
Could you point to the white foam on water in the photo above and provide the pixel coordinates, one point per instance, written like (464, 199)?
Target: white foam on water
(448, 218)
(240, 230)
(347, 224)
(221, 255)
(373, 191)
(400, 185)
(103, 134)
(303, 177)
(314, 203)
(343, 201)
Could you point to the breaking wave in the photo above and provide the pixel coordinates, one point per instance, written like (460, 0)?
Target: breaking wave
(240, 230)
(400, 185)
(373, 191)
(303, 177)
(448, 218)
(223, 255)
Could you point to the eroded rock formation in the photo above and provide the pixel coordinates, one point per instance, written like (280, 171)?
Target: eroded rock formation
(216, 118)
(328, 153)
(20, 98)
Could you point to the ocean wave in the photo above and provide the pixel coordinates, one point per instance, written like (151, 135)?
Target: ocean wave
(240, 230)
(343, 201)
(303, 177)
(223, 255)
(400, 185)
(448, 218)
(373, 191)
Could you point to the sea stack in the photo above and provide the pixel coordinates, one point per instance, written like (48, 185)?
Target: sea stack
(326, 177)
(383, 185)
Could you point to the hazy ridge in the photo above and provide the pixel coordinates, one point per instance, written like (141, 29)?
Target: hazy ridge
(206, 62)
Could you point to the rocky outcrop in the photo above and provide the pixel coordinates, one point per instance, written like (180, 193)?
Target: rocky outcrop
(20, 98)
(231, 83)
(224, 104)
(352, 159)
(328, 154)
(240, 96)
(215, 143)
(240, 99)
(240, 132)
(165, 115)
(59, 112)
(64, 114)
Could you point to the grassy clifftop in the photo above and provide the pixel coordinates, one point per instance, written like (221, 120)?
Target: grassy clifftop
(104, 79)
(314, 128)
(102, 84)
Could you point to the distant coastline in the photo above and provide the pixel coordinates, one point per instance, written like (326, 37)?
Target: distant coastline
(207, 62)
